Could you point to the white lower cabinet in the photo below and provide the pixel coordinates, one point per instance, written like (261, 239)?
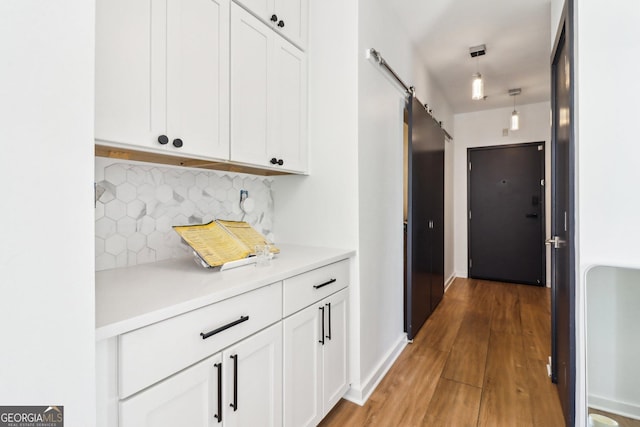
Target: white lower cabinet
(188, 398)
(273, 356)
(315, 360)
(253, 380)
(240, 386)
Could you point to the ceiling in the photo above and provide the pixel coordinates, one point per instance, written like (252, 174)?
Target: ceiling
(517, 38)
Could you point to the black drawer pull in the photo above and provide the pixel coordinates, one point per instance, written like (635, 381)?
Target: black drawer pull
(329, 315)
(322, 285)
(224, 328)
(322, 335)
(218, 416)
(234, 405)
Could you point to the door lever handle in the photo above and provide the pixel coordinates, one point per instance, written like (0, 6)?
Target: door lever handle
(555, 241)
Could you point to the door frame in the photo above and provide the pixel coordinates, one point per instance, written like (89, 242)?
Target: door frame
(565, 33)
(543, 250)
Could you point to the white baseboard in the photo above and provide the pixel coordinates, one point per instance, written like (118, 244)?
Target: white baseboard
(360, 395)
(461, 274)
(449, 282)
(625, 409)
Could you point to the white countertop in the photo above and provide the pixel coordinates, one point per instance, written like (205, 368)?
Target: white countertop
(133, 297)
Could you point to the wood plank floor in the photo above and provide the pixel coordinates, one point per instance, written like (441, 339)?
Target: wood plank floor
(480, 360)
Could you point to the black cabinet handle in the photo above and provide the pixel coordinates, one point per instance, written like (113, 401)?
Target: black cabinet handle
(329, 315)
(322, 285)
(532, 215)
(281, 24)
(281, 162)
(163, 140)
(218, 416)
(274, 18)
(234, 404)
(322, 340)
(206, 335)
(177, 143)
(273, 161)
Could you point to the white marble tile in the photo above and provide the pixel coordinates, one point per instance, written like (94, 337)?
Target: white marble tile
(115, 244)
(115, 209)
(139, 203)
(136, 242)
(115, 174)
(126, 192)
(126, 226)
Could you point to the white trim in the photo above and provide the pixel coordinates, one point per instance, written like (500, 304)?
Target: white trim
(461, 274)
(449, 282)
(629, 410)
(360, 395)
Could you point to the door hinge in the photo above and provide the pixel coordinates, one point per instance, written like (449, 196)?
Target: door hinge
(470, 263)
(540, 147)
(542, 182)
(469, 214)
(469, 165)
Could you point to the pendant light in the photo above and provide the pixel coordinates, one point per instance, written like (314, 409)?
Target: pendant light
(515, 116)
(477, 85)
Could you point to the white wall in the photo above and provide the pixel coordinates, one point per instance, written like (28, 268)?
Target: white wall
(353, 195)
(483, 129)
(46, 255)
(322, 209)
(380, 191)
(607, 89)
(613, 347)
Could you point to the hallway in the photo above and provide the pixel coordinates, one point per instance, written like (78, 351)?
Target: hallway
(480, 360)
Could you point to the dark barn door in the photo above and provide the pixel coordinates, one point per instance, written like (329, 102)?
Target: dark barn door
(506, 213)
(562, 241)
(424, 285)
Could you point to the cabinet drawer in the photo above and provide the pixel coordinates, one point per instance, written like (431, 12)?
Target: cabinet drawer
(154, 352)
(307, 288)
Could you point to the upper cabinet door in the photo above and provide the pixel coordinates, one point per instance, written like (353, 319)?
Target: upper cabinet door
(251, 68)
(288, 17)
(292, 20)
(198, 76)
(263, 9)
(290, 92)
(130, 71)
(162, 79)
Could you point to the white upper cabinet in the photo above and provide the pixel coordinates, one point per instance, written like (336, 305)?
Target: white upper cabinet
(269, 87)
(162, 76)
(288, 17)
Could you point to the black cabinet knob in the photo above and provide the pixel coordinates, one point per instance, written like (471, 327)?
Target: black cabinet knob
(281, 24)
(274, 18)
(162, 139)
(273, 161)
(177, 143)
(280, 162)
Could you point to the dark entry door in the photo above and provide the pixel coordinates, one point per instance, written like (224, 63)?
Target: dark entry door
(506, 213)
(563, 345)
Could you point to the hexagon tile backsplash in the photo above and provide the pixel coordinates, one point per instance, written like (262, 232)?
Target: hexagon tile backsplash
(137, 203)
